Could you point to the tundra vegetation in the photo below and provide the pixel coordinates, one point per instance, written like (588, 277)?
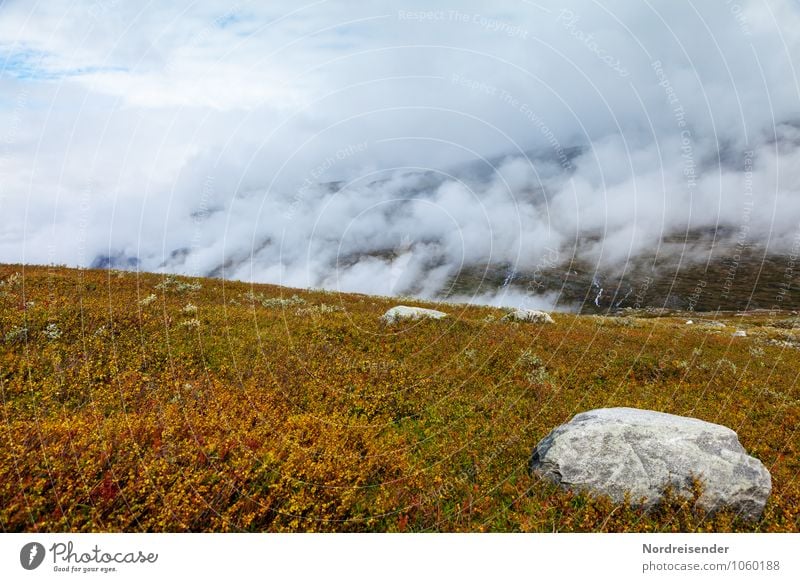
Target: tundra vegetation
(144, 402)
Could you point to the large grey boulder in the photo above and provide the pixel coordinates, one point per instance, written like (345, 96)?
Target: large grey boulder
(402, 312)
(614, 451)
(529, 316)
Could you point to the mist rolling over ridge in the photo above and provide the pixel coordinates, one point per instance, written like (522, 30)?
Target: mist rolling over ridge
(568, 156)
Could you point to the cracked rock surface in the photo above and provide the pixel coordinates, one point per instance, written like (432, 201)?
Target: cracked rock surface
(402, 312)
(614, 451)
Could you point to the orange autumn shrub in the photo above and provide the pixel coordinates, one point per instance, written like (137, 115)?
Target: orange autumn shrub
(139, 402)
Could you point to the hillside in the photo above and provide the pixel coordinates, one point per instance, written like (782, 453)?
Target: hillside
(139, 402)
(693, 275)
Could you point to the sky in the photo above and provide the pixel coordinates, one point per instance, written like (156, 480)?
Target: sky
(379, 147)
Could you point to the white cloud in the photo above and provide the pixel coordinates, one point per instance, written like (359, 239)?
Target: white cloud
(145, 129)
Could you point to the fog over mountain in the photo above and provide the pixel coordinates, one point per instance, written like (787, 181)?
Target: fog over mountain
(366, 147)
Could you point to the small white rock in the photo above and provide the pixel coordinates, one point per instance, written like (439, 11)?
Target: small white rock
(740, 333)
(530, 316)
(403, 312)
(689, 322)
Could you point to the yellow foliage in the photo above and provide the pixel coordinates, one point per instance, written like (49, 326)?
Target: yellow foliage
(145, 403)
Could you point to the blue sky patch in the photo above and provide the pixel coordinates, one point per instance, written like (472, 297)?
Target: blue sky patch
(31, 65)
